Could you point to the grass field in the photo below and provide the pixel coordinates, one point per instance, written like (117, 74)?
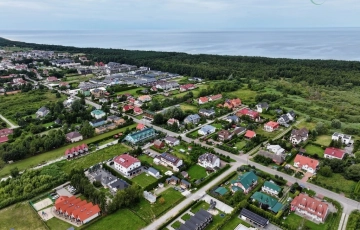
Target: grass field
(20, 217)
(308, 125)
(131, 91)
(323, 140)
(240, 145)
(234, 222)
(56, 224)
(176, 225)
(54, 154)
(149, 212)
(95, 157)
(337, 181)
(186, 217)
(185, 106)
(196, 172)
(313, 149)
(295, 221)
(144, 179)
(26, 102)
(122, 219)
(269, 135)
(200, 205)
(247, 96)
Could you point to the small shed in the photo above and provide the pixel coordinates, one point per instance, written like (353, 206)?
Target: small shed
(159, 144)
(184, 174)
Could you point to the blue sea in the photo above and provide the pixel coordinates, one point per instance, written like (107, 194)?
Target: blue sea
(319, 43)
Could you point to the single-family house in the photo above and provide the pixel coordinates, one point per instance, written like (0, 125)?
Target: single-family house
(261, 107)
(97, 113)
(299, 135)
(203, 100)
(285, 119)
(207, 112)
(193, 118)
(149, 196)
(52, 79)
(224, 135)
(172, 141)
(346, 139)
(42, 112)
(250, 134)
(74, 137)
(127, 164)
(267, 202)
(271, 188)
(184, 174)
(209, 160)
(153, 172)
(276, 149)
(185, 184)
(187, 87)
(206, 130)
(127, 108)
(168, 159)
(173, 121)
(97, 123)
(277, 158)
(6, 132)
(139, 136)
(172, 180)
(138, 111)
(159, 144)
(144, 98)
(215, 97)
(306, 163)
(248, 112)
(167, 85)
(332, 153)
(271, 126)
(310, 207)
(232, 104)
(140, 126)
(100, 129)
(245, 182)
(232, 119)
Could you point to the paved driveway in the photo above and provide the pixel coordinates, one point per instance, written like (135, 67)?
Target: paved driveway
(219, 205)
(306, 177)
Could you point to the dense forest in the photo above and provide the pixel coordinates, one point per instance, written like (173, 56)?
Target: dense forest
(320, 72)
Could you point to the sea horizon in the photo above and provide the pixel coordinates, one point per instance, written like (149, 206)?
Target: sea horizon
(296, 43)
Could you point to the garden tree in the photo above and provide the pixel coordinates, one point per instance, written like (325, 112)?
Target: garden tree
(321, 128)
(325, 171)
(14, 172)
(353, 172)
(336, 123)
(58, 95)
(335, 143)
(76, 106)
(280, 194)
(161, 200)
(158, 119)
(237, 197)
(87, 130)
(337, 166)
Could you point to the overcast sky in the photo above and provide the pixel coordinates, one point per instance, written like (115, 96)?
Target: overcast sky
(177, 14)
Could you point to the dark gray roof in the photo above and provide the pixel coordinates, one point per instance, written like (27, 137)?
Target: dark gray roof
(96, 121)
(169, 157)
(185, 182)
(152, 170)
(254, 217)
(278, 158)
(119, 184)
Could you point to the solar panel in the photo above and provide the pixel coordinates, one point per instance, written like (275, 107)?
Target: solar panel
(254, 217)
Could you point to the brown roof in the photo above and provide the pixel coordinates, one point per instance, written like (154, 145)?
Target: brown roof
(310, 205)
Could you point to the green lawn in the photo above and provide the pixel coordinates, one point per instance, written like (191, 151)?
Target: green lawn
(149, 160)
(20, 216)
(201, 205)
(149, 212)
(185, 106)
(337, 181)
(313, 149)
(217, 125)
(234, 222)
(122, 219)
(269, 135)
(295, 221)
(94, 158)
(105, 141)
(144, 179)
(247, 96)
(216, 220)
(57, 224)
(79, 78)
(186, 217)
(323, 140)
(131, 91)
(196, 172)
(240, 145)
(308, 125)
(54, 154)
(176, 225)
(48, 124)
(194, 134)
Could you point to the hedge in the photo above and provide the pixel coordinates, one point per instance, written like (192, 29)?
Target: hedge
(212, 176)
(115, 173)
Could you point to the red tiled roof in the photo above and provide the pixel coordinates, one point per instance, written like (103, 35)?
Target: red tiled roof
(272, 124)
(88, 213)
(137, 110)
(303, 160)
(310, 205)
(334, 152)
(249, 112)
(3, 139)
(52, 79)
(61, 199)
(6, 132)
(216, 97)
(203, 99)
(250, 134)
(140, 126)
(128, 107)
(126, 160)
